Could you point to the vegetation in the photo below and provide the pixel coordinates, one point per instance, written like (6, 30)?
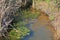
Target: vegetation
(19, 30)
(18, 33)
(47, 1)
(51, 18)
(30, 14)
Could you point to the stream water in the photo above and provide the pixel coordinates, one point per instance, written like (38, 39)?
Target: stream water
(41, 29)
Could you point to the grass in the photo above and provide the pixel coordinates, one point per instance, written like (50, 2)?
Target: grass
(18, 33)
(19, 30)
(29, 14)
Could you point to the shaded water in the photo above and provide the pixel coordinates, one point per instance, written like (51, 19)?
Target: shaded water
(41, 29)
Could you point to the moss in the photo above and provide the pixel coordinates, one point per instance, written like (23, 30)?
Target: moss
(48, 1)
(51, 18)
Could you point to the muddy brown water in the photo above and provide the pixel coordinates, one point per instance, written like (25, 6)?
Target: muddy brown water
(42, 29)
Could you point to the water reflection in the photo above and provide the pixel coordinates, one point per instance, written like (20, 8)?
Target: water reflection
(41, 29)
(28, 36)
